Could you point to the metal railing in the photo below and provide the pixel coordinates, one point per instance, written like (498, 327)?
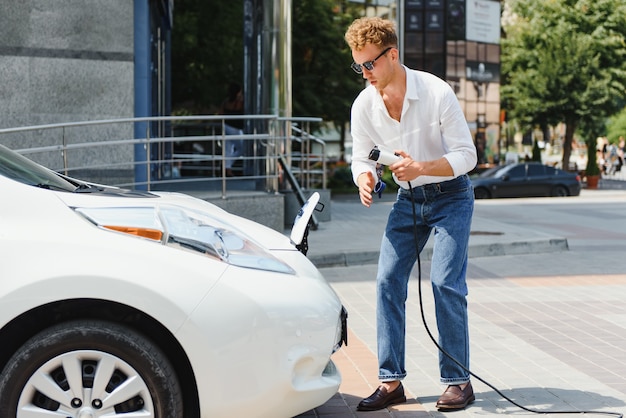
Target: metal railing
(178, 152)
(308, 165)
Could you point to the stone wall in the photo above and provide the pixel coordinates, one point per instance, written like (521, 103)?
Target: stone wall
(66, 61)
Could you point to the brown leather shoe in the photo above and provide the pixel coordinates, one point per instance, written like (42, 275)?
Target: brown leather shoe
(381, 399)
(456, 398)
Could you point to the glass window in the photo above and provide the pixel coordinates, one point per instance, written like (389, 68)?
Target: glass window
(536, 170)
(517, 172)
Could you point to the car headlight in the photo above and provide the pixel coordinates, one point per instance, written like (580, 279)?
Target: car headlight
(186, 229)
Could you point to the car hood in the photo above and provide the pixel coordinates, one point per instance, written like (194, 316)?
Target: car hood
(263, 235)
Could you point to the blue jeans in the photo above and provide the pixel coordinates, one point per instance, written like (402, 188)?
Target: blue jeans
(447, 209)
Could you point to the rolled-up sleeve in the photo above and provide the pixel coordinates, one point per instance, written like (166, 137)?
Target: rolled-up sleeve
(362, 143)
(457, 138)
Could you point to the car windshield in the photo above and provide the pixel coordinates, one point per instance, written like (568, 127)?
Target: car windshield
(20, 168)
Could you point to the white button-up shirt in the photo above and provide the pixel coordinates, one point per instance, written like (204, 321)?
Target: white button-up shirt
(432, 125)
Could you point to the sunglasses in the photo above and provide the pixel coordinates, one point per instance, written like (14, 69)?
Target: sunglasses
(369, 65)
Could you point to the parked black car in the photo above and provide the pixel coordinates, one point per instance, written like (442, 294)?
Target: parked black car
(527, 179)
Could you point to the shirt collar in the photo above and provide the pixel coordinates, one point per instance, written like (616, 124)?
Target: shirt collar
(411, 84)
(409, 95)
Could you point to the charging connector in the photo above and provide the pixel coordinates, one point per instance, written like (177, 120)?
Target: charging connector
(383, 157)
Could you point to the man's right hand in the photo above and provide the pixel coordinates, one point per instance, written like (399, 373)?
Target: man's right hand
(366, 184)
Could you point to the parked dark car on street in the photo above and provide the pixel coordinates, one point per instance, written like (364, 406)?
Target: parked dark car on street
(529, 179)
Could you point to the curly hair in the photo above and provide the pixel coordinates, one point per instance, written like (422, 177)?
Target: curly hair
(371, 30)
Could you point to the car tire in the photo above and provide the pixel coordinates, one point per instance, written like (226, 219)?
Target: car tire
(89, 368)
(559, 191)
(481, 193)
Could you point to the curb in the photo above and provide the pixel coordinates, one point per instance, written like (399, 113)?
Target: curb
(535, 246)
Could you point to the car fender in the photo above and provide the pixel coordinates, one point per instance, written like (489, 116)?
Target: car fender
(264, 340)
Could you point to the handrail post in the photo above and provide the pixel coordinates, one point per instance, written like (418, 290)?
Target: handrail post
(148, 161)
(324, 175)
(308, 156)
(271, 128)
(223, 163)
(64, 153)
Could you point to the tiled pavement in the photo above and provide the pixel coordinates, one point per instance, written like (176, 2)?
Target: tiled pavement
(548, 329)
(547, 342)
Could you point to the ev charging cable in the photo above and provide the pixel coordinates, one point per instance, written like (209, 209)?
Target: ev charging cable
(386, 157)
(419, 277)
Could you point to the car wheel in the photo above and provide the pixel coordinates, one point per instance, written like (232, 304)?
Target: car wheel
(89, 369)
(559, 191)
(482, 193)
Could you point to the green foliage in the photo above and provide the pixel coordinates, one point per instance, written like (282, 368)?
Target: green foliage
(565, 61)
(207, 54)
(561, 66)
(616, 127)
(340, 179)
(323, 83)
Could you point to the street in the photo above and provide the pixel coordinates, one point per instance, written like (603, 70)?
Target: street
(547, 329)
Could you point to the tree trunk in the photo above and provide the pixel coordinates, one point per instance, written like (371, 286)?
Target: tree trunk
(570, 127)
(546, 134)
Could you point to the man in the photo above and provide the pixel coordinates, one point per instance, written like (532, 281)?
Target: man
(417, 116)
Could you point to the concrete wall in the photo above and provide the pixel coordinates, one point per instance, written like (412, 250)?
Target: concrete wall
(274, 210)
(265, 208)
(66, 60)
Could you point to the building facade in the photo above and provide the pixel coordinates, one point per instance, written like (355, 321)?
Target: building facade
(78, 60)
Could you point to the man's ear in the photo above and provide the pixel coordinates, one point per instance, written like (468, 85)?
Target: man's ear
(395, 53)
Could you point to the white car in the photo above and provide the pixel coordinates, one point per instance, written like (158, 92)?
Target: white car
(123, 303)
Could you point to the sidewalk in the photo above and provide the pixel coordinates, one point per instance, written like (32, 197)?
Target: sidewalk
(550, 341)
(352, 237)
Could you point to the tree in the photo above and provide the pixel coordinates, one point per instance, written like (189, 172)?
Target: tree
(323, 83)
(536, 152)
(565, 61)
(591, 129)
(617, 126)
(207, 53)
